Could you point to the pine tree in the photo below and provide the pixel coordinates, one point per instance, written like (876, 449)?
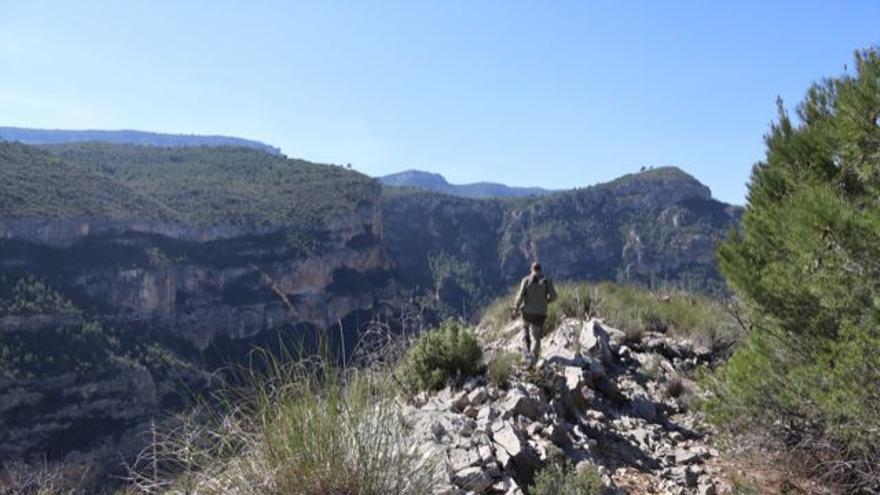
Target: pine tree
(807, 266)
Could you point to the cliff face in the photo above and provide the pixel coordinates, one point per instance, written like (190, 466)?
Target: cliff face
(659, 226)
(110, 318)
(225, 286)
(203, 282)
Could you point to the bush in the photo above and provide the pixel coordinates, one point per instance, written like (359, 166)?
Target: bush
(300, 429)
(501, 367)
(559, 479)
(440, 355)
(806, 267)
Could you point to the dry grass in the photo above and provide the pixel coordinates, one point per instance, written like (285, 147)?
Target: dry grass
(299, 429)
(634, 310)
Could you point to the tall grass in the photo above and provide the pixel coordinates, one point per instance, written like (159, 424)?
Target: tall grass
(631, 309)
(298, 429)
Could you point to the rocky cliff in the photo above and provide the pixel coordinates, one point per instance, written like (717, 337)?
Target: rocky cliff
(657, 227)
(111, 316)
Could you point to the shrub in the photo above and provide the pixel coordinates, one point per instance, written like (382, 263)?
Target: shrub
(675, 387)
(501, 367)
(439, 355)
(559, 479)
(300, 429)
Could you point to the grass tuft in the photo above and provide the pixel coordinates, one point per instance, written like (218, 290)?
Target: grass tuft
(302, 429)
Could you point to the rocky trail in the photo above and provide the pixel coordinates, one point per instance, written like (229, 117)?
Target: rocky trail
(592, 400)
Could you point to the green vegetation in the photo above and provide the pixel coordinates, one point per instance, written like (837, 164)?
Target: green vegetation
(191, 185)
(807, 267)
(85, 347)
(437, 356)
(33, 183)
(30, 296)
(226, 185)
(502, 366)
(633, 310)
(298, 428)
(558, 479)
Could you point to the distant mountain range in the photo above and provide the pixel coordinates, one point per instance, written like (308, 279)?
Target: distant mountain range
(435, 182)
(62, 136)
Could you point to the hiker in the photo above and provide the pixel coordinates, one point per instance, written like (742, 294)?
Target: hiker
(535, 292)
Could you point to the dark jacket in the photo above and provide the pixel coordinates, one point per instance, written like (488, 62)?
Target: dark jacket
(535, 292)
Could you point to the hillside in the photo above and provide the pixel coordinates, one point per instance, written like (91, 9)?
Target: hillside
(437, 183)
(60, 136)
(129, 273)
(34, 183)
(225, 185)
(658, 227)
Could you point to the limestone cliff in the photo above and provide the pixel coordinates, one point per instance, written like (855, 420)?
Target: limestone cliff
(656, 227)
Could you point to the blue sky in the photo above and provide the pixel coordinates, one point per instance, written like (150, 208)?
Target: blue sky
(555, 94)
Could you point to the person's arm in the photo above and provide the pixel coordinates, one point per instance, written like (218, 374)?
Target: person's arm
(551, 291)
(520, 296)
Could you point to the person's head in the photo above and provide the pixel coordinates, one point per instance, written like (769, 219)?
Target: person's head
(536, 267)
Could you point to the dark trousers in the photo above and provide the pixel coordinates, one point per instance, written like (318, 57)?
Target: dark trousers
(533, 332)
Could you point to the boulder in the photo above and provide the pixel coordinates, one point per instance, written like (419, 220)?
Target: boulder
(518, 403)
(594, 342)
(477, 396)
(460, 402)
(516, 455)
(473, 479)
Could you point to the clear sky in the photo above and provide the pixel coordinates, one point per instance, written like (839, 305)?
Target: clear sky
(555, 94)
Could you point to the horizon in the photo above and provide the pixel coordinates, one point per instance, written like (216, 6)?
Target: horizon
(590, 94)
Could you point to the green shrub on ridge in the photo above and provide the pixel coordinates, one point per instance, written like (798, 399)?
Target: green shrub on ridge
(437, 356)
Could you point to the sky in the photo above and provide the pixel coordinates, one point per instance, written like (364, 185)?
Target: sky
(555, 94)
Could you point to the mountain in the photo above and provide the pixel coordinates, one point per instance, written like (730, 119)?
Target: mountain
(657, 227)
(129, 273)
(436, 182)
(59, 136)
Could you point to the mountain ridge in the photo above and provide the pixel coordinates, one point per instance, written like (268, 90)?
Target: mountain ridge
(432, 181)
(26, 135)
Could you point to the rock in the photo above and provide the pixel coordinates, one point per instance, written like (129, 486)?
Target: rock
(438, 431)
(616, 338)
(707, 487)
(460, 458)
(488, 413)
(684, 456)
(467, 429)
(558, 435)
(486, 455)
(508, 439)
(534, 429)
(594, 342)
(643, 408)
(474, 479)
(518, 403)
(520, 458)
(477, 397)
(609, 389)
(460, 402)
(471, 412)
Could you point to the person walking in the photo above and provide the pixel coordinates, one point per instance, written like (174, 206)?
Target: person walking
(535, 293)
